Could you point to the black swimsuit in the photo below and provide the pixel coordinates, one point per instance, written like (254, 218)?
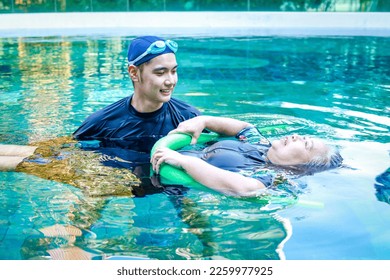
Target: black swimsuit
(236, 156)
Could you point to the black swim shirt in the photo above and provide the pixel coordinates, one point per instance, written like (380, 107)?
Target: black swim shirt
(120, 125)
(245, 156)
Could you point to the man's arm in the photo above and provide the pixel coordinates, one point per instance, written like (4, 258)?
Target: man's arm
(221, 125)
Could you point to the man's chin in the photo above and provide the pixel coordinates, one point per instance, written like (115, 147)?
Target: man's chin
(165, 97)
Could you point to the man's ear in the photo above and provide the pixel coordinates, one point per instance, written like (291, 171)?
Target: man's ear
(133, 73)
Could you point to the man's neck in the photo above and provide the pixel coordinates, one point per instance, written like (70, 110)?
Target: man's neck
(144, 106)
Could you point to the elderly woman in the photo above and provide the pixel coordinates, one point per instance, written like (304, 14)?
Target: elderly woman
(217, 166)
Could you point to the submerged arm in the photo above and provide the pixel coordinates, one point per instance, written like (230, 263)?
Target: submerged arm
(215, 178)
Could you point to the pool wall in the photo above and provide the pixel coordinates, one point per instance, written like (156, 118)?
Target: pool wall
(196, 23)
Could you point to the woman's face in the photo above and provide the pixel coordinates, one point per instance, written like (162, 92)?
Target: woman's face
(296, 149)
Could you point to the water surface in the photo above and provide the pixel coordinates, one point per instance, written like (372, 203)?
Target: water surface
(335, 88)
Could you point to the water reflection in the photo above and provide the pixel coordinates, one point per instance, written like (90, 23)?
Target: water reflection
(162, 222)
(209, 227)
(60, 81)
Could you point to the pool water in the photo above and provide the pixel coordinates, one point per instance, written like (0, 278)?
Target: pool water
(336, 88)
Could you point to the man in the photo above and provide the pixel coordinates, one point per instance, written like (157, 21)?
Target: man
(123, 132)
(138, 121)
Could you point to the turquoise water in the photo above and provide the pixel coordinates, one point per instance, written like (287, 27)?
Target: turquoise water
(336, 88)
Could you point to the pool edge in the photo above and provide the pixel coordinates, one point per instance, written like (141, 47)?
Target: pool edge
(196, 24)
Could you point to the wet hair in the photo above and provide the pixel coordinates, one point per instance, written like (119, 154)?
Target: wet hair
(331, 159)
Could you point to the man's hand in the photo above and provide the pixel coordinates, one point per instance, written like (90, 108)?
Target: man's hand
(193, 126)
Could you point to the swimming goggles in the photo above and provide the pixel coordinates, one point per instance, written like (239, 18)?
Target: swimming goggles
(155, 48)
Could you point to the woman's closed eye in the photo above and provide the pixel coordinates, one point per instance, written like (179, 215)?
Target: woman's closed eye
(309, 144)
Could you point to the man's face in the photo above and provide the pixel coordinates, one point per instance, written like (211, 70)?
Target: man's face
(158, 78)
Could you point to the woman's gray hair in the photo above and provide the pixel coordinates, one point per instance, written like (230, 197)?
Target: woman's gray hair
(331, 159)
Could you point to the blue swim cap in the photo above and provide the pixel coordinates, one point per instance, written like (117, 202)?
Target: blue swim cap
(140, 49)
